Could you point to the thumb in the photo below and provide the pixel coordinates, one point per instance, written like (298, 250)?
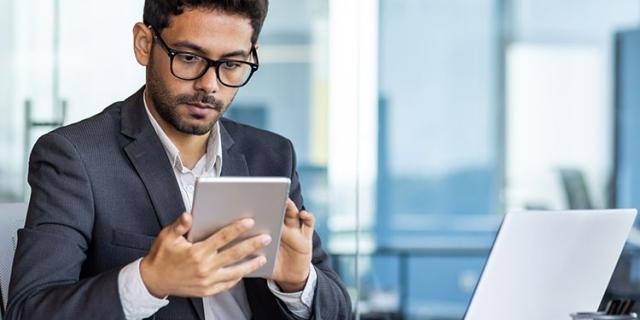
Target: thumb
(291, 218)
(181, 226)
(308, 223)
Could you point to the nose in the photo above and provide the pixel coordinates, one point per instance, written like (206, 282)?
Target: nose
(208, 83)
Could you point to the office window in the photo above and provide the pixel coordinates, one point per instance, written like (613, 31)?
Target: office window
(53, 67)
(628, 116)
(439, 156)
(560, 102)
(10, 128)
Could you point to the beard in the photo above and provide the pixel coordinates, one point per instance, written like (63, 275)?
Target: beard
(167, 105)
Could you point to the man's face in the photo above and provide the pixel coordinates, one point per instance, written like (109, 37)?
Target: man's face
(194, 106)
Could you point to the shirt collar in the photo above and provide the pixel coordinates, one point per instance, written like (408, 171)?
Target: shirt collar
(213, 157)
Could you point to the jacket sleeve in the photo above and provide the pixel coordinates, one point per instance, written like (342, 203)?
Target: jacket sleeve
(331, 299)
(51, 249)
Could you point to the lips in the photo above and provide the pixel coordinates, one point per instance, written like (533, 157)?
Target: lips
(200, 109)
(201, 105)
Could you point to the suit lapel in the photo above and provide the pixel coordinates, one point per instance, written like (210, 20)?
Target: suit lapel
(150, 161)
(264, 306)
(234, 163)
(199, 306)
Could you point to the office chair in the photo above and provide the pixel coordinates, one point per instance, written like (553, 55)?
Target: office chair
(576, 188)
(12, 216)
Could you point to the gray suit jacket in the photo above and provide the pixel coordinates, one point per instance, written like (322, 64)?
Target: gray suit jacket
(101, 191)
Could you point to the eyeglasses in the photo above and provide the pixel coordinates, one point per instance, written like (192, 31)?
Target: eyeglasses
(189, 66)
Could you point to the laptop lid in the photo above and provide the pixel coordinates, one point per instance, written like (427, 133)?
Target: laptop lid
(549, 264)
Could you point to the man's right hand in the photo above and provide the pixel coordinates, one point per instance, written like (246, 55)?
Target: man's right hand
(177, 267)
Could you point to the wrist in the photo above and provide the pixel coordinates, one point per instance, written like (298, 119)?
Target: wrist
(147, 275)
(293, 286)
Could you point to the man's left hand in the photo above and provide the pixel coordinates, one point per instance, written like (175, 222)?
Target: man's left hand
(296, 248)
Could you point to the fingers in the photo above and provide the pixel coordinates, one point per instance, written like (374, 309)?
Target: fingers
(228, 277)
(181, 226)
(241, 250)
(227, 234)
(242, 269)
(220, 287)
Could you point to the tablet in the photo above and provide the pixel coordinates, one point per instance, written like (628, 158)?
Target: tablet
(218, 202)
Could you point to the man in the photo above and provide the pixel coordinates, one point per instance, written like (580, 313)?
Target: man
(104, 237)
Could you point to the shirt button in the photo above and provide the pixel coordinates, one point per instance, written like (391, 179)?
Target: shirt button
(190, 188)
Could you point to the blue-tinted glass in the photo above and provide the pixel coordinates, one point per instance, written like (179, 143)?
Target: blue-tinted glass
(628, 118)
(439, 154)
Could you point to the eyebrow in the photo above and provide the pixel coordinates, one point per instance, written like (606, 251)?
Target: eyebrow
(198, 49)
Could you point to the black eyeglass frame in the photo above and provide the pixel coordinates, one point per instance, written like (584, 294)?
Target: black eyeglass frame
(172, 53)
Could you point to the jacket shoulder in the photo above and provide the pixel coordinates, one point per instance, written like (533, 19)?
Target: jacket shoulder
(95, 128)
(249, 135)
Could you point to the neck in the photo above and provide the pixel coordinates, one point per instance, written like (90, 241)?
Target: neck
(192, 147)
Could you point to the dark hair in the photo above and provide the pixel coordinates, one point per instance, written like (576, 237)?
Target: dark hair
(157, 13)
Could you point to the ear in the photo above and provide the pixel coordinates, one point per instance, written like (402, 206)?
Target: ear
(142, 43)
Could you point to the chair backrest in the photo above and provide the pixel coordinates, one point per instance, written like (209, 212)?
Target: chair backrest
(12, 217)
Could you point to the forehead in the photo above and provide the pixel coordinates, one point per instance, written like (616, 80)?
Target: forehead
(215, 31)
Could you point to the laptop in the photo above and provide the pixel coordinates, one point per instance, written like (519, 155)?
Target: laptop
(549, 264)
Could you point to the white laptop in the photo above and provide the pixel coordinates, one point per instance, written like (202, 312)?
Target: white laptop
(545, 265)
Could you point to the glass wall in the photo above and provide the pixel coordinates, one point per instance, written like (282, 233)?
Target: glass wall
(10, 130)
(65, 60)
(560, 72)
(439, 155)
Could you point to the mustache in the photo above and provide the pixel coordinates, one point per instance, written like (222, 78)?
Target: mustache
(201, 98)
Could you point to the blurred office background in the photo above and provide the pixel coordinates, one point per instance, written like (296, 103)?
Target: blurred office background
(417, 123)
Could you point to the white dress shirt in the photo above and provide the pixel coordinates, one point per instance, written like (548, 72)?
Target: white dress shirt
(136, 300)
